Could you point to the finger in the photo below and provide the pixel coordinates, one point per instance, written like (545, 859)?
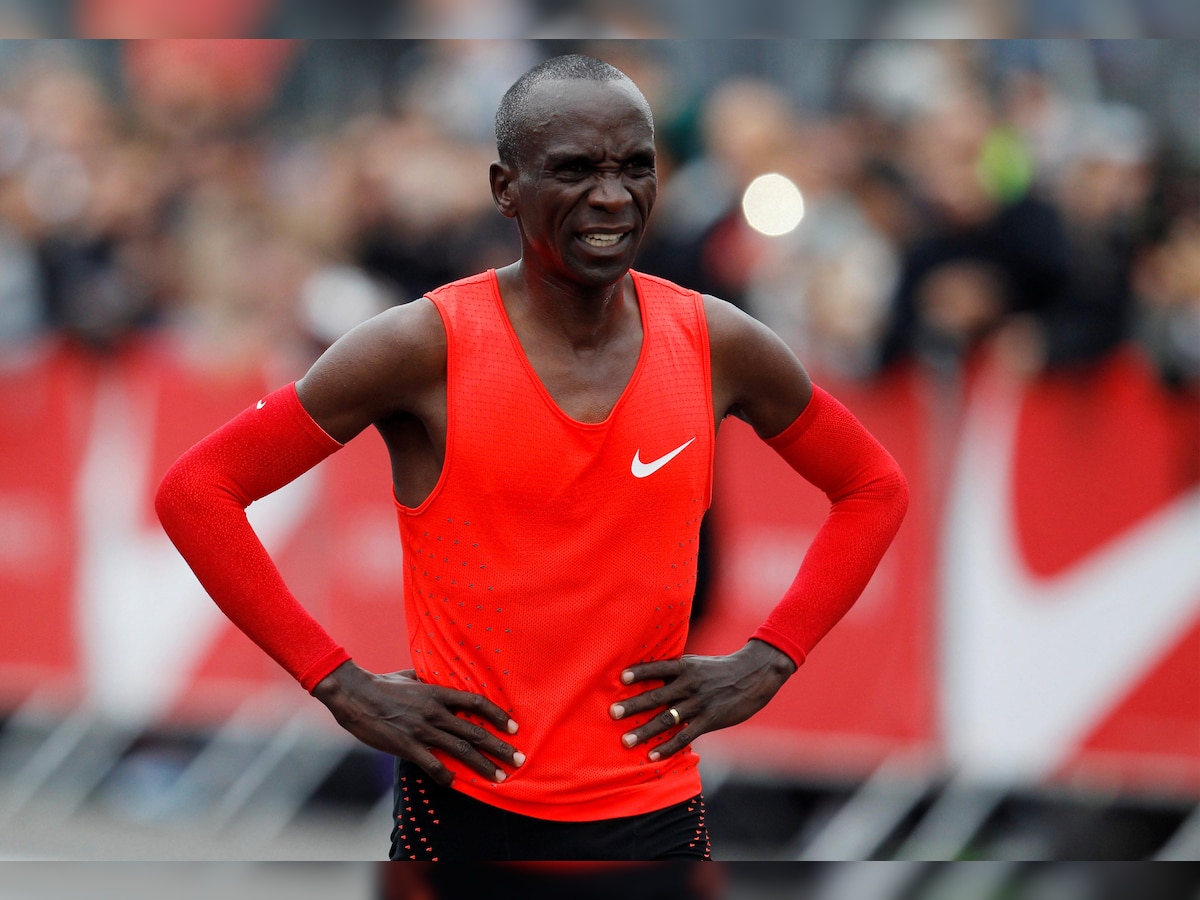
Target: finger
(656, 698)
(478, 705)
(460, 748)
(687, 732)
(680, 740)
(431, 766)
(486, 742)
(660, 724)
(664, 669)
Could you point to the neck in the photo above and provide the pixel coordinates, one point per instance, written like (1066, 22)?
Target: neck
(583, 316)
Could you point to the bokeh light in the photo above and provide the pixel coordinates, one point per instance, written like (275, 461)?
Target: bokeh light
(773, 205)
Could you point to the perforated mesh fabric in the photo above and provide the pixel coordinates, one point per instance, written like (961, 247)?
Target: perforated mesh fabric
(541, 566)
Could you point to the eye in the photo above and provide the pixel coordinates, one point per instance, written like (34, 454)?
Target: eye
(640, 168)
(572, 169)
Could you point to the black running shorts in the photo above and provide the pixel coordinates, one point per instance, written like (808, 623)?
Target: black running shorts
(437, 823)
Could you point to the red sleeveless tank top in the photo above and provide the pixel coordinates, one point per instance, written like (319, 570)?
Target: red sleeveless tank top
(553, 553)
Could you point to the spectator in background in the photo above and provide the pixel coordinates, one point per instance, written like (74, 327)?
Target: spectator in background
(188, 89)
(423, 219)
(989, 250)
(103, 271)
(1167, 286)
(80, 201)
(747, 126)
(824, 286)
(22, 312)
(238, 281)
(1101, 190)
(934, 220)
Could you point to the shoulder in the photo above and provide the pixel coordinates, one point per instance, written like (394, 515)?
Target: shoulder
(666, 301)
(646, 281)
(729, 325)
(734, 333)
(482, 283)
(756, 376)
(387, 365)
(397, 340)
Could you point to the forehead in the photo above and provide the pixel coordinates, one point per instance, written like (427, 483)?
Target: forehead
(572, 112)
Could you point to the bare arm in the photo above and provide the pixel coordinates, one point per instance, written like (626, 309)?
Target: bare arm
(393, 364)
(755, 375)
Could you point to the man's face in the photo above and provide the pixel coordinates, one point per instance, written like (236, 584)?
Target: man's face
(584, 183)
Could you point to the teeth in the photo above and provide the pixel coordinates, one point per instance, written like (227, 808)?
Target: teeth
(602, 240)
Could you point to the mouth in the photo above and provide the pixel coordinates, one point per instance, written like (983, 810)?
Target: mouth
(603, 241)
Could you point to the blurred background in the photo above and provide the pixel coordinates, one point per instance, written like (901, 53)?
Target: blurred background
(609, 19)
(989, 250)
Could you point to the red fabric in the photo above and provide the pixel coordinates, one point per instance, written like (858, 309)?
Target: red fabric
(869, 497)
(202, 502)
(542, 565)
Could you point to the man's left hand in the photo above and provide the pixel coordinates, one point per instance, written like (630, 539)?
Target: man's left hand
(707, 693)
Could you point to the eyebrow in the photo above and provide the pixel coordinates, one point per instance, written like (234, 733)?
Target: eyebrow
(558, 158)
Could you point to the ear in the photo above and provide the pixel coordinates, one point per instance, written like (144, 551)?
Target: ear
(503, 180)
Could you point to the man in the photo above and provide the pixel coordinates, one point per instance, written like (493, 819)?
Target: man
(550, 427)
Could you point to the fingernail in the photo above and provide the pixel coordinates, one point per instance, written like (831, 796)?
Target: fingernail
(500, 776)
(629, 740)
(518, 759)
(617, 710)
(512, 727)
(626, 677)
(654, 755)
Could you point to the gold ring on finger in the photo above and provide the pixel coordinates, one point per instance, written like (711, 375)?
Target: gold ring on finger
(674, 713)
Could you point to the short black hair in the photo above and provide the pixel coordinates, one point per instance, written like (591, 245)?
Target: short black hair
(510, 117)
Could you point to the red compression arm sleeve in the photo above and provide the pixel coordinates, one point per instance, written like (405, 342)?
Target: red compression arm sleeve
(869, 497)
(202, 502)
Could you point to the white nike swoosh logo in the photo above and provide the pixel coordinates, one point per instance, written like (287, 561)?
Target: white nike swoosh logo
(642, 469)
(260, 404)
(1032, 664)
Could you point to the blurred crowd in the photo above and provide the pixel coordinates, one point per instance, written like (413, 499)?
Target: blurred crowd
(252, 200)
(591, 18)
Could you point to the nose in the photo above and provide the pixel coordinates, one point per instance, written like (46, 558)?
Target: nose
(610, 192)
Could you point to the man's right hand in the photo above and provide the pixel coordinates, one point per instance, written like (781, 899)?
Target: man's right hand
(400, 715)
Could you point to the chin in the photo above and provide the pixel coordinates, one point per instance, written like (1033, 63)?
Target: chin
(601, 272)
(602, 276)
